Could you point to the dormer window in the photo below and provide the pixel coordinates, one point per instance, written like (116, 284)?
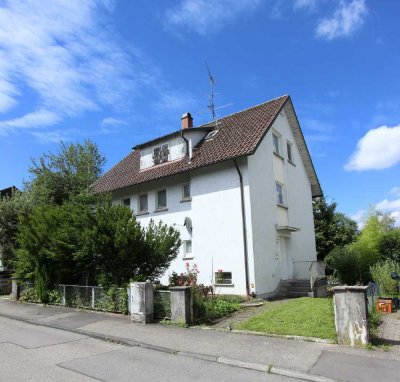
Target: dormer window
(211, 135)
(160, 154)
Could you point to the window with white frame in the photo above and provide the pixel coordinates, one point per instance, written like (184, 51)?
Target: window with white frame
(186, 191)
(143, 203)
(276, 143)
(279, 193)
(187, 248)
(160, 154)
(161, 202)
(222, 277)
(289, 147)
(127, 202)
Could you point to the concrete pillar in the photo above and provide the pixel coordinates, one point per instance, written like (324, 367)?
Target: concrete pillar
(142, 304)
(15, 290)
(351, 315)
(181, 304)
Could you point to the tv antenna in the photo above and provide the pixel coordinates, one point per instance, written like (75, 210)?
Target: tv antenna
(211, 104)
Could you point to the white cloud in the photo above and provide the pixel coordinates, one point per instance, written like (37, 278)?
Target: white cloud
(347, 18)
(359, 217)
(64, 52)
(378, 149)
(110, 121)
(205, 16)
(304, 4)
(392, 207)
(37, 119)
(395, 191)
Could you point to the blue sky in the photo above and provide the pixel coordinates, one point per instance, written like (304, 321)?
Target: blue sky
(122, 72)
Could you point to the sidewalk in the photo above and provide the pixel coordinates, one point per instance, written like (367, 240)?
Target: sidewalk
(306, 360)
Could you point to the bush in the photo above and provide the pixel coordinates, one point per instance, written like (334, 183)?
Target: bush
(29, 295)
(381, 275)
(345, 265)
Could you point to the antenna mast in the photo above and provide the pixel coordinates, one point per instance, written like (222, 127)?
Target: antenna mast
(211, 104)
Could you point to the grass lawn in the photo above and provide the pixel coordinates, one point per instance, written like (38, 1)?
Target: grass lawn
(310, 317)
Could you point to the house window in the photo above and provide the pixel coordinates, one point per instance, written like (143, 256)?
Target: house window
(143, 203)
(187, 248)
(222, 277)
(276, 143)
(289, 152)
(186, 191)
(126, 202)
(161, 199)
(160, 154)
(279, 193)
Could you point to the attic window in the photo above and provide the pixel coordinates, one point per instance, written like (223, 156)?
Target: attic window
(160, 154)
(211, 135)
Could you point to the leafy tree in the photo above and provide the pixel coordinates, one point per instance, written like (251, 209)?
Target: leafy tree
(117, 249)
(58, 177)
(389, 245)
(50, 238)
(11, 207)
(332, 228)
(352, 263)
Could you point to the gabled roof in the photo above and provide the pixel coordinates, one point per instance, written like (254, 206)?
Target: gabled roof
(239, 135)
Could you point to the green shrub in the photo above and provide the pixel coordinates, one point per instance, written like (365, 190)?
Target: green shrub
(55, 297)
(381, 275)
(29, 295)
(345, 265)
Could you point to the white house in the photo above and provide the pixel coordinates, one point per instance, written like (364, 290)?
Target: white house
(239, 190)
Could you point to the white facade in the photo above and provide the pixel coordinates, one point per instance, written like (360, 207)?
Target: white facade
(280, 238)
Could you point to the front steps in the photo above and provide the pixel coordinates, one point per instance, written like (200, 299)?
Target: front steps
(294, 288)
(301, 288)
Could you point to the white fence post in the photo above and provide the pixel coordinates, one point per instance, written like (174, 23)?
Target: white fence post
(93, 296)
(64, 296)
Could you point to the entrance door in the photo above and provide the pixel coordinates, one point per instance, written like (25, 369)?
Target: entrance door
(286, 259)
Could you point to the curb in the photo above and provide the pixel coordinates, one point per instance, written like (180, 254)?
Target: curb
(272, 335)
(269, 369)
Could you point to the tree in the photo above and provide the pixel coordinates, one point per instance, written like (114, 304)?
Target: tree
(331, 228)
(389, 245)
(59, 177)
(49, 240)
(352, 263)
(117, 249)
(11, 208)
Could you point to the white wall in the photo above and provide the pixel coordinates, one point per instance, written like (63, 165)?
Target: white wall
(265, 213)
(215, 211)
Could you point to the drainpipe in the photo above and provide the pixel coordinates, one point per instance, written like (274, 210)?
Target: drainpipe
(188, 148)
(246, 266)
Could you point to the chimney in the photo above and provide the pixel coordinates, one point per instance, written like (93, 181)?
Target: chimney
(186, 121)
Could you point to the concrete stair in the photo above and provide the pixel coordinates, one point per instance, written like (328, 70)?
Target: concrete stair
(294, 288)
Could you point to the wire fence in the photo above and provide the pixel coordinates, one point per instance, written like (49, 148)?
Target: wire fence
(5, 286)
(372, 296)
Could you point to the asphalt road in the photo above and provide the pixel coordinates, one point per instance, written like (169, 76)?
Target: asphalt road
(37, 353)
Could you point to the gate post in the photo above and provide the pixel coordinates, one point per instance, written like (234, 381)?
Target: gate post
(181, 304)
(351, 315)
(15, 290)
(141, 302)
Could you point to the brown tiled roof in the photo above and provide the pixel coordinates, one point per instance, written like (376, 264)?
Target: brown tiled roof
(238, 135)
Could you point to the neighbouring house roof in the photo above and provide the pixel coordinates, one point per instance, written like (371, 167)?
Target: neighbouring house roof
(7, 192)
(239, 135)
